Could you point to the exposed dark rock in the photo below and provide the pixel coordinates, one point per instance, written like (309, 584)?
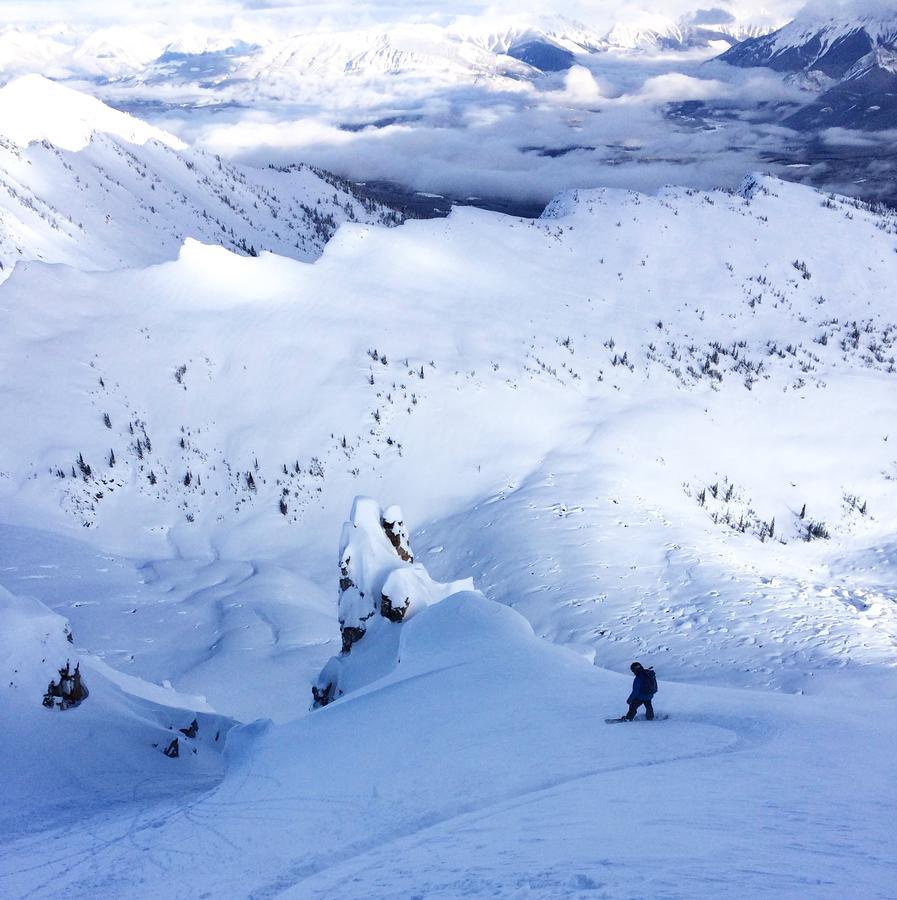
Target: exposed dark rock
(543, 55)
(69, 691)
(350, 635)
(391, 612)
(173, 750)
(395, 531)
(322, 696)
(191, 731)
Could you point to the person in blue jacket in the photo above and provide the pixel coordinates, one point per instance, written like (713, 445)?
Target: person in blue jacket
(644, 687)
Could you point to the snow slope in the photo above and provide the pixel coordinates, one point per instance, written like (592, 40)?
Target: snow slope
(35, 109)
(249, 400)
(86, 185)
(623, 422)
(480, 767)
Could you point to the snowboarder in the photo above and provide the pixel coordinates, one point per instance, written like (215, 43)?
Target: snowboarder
(644, 687)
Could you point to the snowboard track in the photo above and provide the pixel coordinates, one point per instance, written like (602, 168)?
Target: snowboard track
(748, 733)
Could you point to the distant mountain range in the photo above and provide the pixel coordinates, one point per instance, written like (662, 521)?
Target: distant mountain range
(418, 77)
(852, 60)
(520, 48)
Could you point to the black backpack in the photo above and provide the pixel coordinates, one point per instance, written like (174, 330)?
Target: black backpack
(649, 680)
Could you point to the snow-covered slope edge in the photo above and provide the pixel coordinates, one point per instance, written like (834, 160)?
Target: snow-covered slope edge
(34, 109)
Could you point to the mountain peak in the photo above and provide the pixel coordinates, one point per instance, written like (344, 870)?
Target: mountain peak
(34, 108)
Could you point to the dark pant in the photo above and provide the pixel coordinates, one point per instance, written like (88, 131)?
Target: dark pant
(633, 707)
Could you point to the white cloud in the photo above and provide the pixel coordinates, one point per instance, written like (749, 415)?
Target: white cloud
(675, 86)
(580, 87)
(849, 8)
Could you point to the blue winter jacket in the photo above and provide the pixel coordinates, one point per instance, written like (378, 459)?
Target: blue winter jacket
(640, 689)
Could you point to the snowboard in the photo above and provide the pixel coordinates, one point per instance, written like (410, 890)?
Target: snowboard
(658, 717)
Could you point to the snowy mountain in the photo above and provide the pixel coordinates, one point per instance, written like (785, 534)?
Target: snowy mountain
(420, 49)
(90, 186)
(640, 426)
(173, 409)
(235, 61)
(852, 60)
(831, 45)
(659, 33)
(473, 49)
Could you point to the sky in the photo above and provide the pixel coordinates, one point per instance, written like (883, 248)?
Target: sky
(359, 12)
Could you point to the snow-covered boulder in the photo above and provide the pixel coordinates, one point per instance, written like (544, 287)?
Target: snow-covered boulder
(37, 658)
(380, 587)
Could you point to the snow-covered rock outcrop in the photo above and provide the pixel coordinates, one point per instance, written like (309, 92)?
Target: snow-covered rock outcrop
(380, 587)
(37, 658)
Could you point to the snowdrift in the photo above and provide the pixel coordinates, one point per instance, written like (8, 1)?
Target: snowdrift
(104, 750)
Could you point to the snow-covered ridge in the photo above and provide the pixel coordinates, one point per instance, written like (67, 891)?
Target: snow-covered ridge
(264, 61)
(881, 26)
(89, 186)
(829, 43)
(471, 47)
(419, 49)
(35, 109)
